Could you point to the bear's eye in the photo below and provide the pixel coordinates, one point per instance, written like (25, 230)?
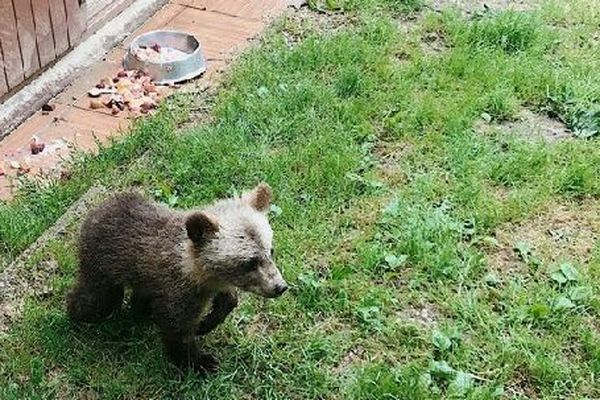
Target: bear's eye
(272, 252)
(251, 265)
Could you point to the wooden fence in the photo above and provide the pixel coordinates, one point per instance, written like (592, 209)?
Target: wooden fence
(35, 33)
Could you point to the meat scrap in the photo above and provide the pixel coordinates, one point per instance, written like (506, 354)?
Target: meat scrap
(129, 90)
(24, 169)
(35, 146)
(157, 54)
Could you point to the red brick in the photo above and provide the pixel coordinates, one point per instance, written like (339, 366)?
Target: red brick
(219, 34)
(79, 128)
(252, 9)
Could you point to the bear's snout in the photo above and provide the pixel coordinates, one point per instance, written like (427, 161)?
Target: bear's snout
(280, 288)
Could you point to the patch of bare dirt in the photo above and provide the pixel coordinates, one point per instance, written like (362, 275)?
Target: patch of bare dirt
(503, 259)
(523, 385)
(301, 23)
(529, 126)
(389, 155)
(430, 39)
(563, 232)
(18, 285)
(433, 43)
(17, 281)
(201, 103)
(353, 356)
(470, 6)
(423, 315)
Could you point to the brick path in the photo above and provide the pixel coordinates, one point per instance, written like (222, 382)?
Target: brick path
(222, 26)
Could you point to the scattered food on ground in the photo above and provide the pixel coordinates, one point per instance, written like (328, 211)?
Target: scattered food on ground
(36, 146)
(23, 169)
(95, 92)
(96, 104)
(129, 90)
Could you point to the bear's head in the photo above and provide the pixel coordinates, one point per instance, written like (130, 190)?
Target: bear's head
(233, 243)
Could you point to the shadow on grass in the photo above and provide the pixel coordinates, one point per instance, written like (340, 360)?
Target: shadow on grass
(118, 357)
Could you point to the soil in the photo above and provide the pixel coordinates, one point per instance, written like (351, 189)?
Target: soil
(529, 126)
(564, 232)
(470, 6)
(17, 280)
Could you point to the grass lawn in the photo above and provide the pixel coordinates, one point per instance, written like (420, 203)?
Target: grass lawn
(438, 243)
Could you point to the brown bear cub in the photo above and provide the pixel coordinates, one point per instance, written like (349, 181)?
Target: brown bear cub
(183, 267)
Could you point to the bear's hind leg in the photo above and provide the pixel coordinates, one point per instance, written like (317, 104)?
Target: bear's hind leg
(91, 302)
(141, 303)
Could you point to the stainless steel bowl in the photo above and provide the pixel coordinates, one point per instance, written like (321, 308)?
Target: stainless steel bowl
(169, 72)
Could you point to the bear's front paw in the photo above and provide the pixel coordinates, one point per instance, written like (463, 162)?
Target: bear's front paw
(205, 363)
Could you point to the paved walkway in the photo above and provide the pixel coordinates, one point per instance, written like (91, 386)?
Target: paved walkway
(223, 27)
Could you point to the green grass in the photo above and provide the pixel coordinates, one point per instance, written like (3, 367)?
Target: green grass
(365, 244)
(35, 208)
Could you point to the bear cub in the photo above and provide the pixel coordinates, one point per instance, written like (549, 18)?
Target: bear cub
(184, 267)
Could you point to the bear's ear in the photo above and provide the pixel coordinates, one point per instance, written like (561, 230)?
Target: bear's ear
(259, 198)
(200, 227)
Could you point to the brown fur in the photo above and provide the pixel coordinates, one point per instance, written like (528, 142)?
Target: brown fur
(183, 267)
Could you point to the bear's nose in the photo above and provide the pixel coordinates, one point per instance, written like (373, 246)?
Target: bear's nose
(280, 288)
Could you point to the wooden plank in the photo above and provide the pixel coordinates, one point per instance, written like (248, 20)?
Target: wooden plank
(58, 17)
(101, 11)
(10, 44)
(3, 85)
(76, 16)
(43, 31)
(26, 29)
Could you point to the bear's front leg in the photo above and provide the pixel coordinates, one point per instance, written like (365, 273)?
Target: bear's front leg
(175, 313)
(223, 305)
(184, 352)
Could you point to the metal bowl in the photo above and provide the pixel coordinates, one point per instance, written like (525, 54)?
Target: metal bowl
(169, 72)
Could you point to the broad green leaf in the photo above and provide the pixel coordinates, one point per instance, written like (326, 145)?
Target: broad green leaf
(393, 207)
(569, 271)
(492, 279)
(563, 303)
(395, 261)
(490, 241)
(580, 293)
(262, 91)
(332, 4)
(276, 210)
(498, 391)
(559, 277)
(441, 369)
(440, 340)
(486, 117)
(461, 384)
(524, 250)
